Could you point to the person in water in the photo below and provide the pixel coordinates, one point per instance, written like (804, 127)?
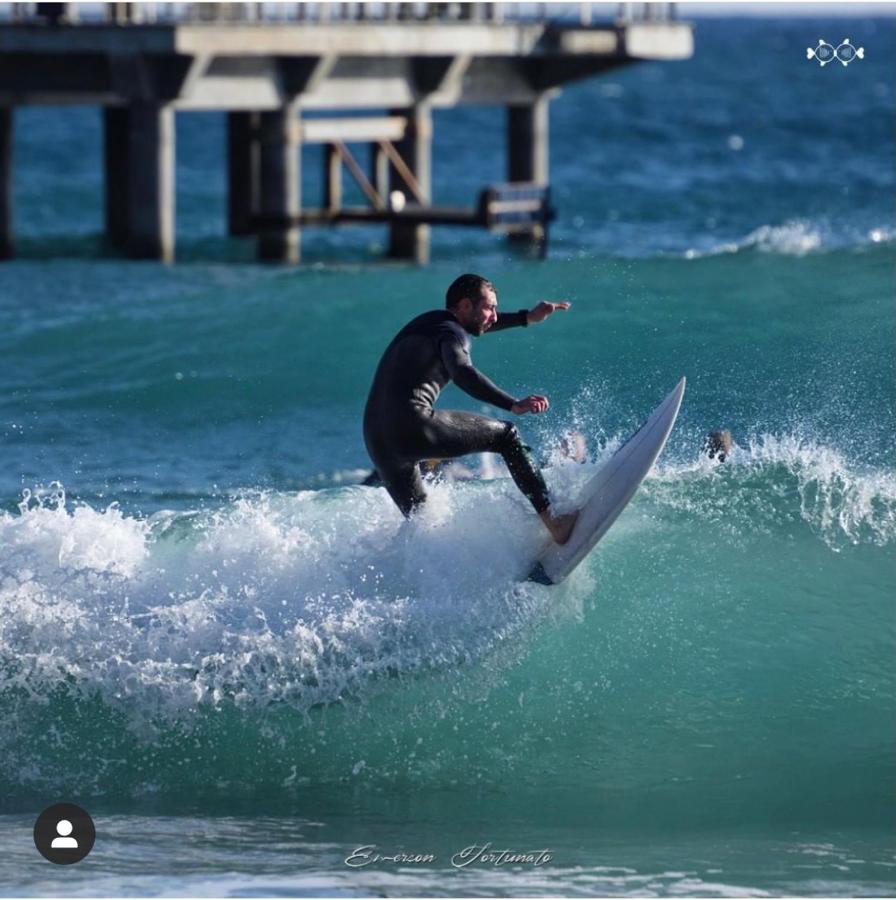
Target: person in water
(401, 428)
(718, 445)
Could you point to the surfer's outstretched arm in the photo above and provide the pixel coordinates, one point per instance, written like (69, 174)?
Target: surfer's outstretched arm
(545, 308)
(524, 317)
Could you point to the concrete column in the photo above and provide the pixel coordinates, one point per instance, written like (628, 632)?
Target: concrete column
(527, 142)
(332, 175)
(242, 171)
(7, 247)
(280, 193)
(151, 182)
(412, 241)
(119, 13)
(379, 171)
(528, 138)
(116, 140)
(53, 13)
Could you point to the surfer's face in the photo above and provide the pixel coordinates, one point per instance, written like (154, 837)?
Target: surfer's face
(479, 317)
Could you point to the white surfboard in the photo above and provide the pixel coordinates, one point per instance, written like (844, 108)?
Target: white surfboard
(609, 492)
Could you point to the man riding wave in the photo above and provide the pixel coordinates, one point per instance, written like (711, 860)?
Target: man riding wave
(401, 427)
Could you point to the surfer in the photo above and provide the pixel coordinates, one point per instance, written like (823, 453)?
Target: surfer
(401, 428)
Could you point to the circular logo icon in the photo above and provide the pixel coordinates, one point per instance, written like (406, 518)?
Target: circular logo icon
(824, 52)
(846, 53)
(64, 834)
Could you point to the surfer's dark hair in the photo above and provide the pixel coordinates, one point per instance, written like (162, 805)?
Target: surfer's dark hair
(471, 286)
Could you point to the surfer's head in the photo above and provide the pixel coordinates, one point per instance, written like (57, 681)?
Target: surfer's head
(717, 445)
(474, 302)
(574, 446)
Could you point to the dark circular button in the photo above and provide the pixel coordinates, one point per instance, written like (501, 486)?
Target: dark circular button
(64, 834)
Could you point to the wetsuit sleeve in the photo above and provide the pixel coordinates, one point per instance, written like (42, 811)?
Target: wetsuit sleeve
(511, 320)
(456, 358)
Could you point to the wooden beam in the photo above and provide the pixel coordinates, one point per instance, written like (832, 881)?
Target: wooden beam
(402, 168)
(361, 129)
(413, 215)
(353, 167)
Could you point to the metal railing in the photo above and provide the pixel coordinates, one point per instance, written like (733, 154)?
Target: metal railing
(279, 12)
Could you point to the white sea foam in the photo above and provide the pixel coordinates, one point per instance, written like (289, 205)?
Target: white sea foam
(883, 235)
(796, 237)
(303, 598)
(284, 602)
(842, 503)
(793, 238)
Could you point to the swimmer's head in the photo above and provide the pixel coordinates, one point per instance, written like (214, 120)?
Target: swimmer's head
(474, 302)
(574, 446)
(718, 445)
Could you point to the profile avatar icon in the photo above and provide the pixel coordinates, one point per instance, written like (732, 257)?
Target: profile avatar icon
(64, 841)
(64, 834)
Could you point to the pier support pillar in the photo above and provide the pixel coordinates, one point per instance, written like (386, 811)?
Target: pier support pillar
(408, 241)
(279, 147)
(116, 138)
(528, 139)
(6, 239)
(379, 171)
(242, 171)
(332, 178)
(150, 195)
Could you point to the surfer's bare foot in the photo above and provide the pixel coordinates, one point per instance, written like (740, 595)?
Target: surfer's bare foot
(560, 527)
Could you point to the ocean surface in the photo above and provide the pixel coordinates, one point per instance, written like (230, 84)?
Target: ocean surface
(247, 667)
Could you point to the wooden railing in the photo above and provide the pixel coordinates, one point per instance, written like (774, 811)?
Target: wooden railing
(272, 13)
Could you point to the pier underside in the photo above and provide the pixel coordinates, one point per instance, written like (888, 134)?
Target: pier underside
(266, 76)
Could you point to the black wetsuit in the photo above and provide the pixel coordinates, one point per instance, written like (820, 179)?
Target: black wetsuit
(401, 427)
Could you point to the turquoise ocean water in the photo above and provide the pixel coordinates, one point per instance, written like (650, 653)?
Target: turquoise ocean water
(246, 666)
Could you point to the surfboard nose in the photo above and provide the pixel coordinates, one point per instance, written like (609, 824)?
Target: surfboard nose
(610, 490)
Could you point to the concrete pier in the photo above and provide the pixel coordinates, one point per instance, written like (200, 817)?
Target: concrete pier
(261, 65)
(6, 126)
(332, 178)
(527, 154)
(279, 147)
(379, 170)
(116, 167)
(150, 182)
(243, 171)
(411, 173)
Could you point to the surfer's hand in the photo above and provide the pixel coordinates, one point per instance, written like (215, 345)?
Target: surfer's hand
(534, 403)
(542, 310)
